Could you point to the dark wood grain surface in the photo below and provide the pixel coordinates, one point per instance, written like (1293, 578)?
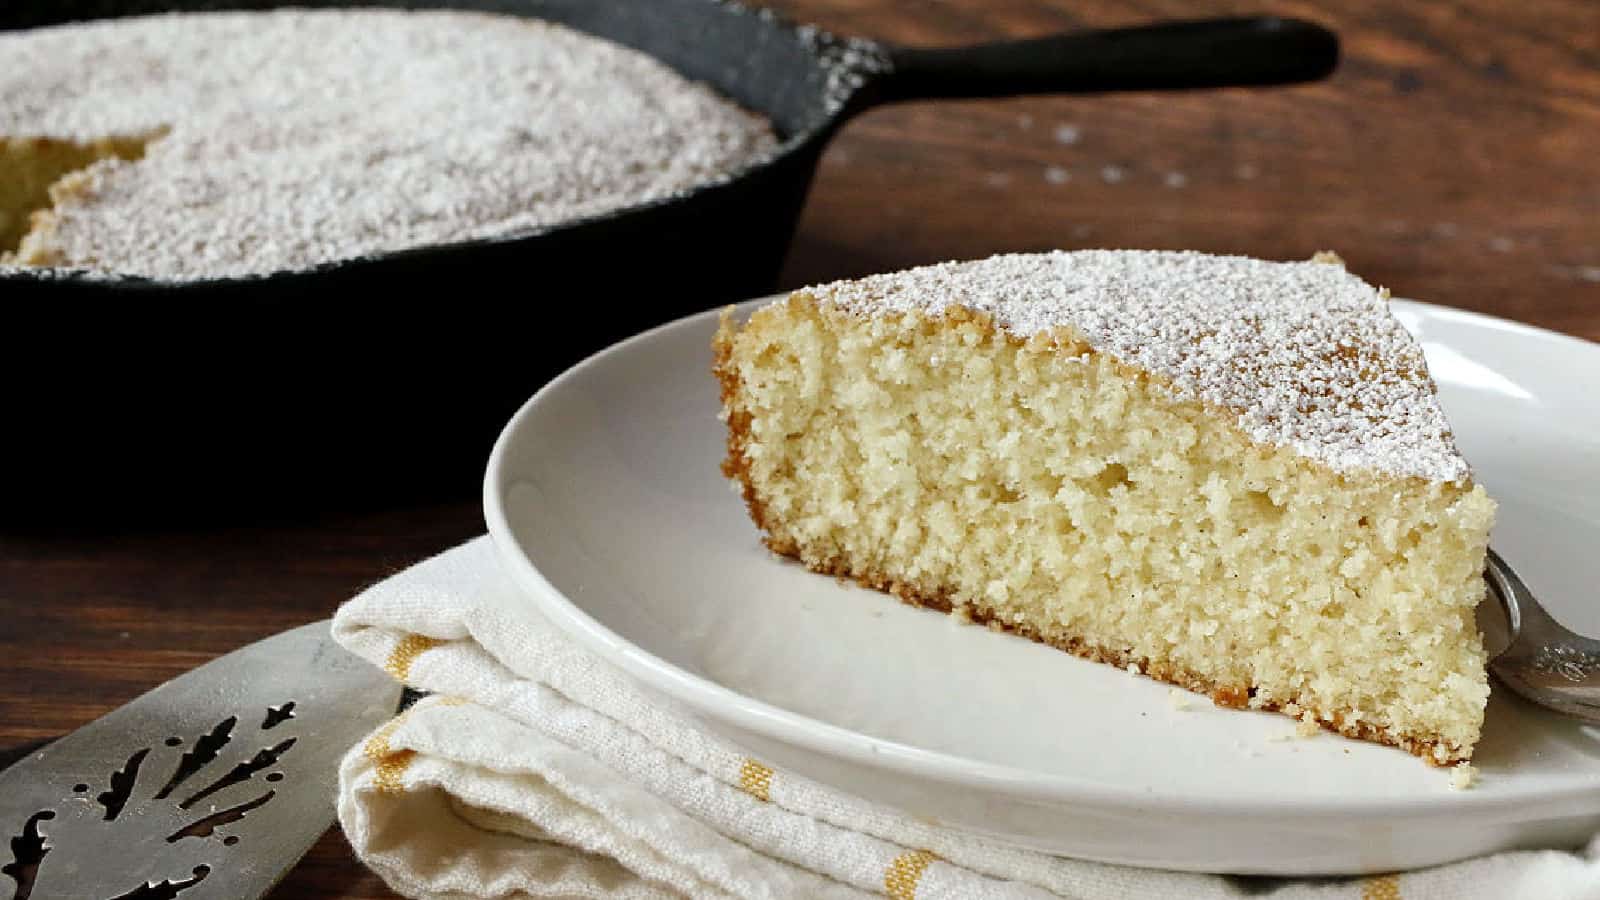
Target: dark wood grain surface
(1455, 157)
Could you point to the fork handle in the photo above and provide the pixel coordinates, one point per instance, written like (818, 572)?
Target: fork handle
(1544, 661)
(1523, 612)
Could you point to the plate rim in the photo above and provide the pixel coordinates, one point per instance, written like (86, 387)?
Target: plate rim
(719, 702)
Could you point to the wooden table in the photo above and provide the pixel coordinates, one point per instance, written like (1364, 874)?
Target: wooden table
(1455, 157)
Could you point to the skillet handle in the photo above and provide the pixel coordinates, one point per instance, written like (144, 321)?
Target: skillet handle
(1167, 56)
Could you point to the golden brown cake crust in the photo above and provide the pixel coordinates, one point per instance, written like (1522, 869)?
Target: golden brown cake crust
(736, 467)
(1232, 696)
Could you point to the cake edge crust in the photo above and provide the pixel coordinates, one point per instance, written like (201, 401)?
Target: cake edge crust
(736, 468)
(1229, 696)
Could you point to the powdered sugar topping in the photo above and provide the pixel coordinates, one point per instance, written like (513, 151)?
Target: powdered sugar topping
(299, 137)
(1306, 354)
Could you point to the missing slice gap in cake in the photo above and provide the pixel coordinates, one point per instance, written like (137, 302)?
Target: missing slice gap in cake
(36, 171)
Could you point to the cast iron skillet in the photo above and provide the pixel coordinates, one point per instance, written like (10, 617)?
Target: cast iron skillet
(394, 372)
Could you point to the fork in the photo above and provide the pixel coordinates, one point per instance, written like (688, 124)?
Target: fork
(1545, 662)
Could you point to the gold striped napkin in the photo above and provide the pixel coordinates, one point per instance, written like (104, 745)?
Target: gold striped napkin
(536, 770)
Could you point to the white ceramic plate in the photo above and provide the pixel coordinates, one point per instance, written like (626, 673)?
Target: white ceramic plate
(604, 498)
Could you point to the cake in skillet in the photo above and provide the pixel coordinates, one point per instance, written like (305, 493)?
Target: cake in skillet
(231, 144)
(1229, 474)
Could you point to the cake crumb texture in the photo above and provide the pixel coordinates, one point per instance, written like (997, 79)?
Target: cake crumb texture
(290, 138)
(1051, 489)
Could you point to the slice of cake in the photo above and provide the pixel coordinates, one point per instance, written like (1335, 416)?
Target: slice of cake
(1231, 474)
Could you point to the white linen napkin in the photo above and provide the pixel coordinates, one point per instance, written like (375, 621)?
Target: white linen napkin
(536, 770)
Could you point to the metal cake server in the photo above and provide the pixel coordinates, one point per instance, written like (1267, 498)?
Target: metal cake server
(210, 786)
(1545, 662)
